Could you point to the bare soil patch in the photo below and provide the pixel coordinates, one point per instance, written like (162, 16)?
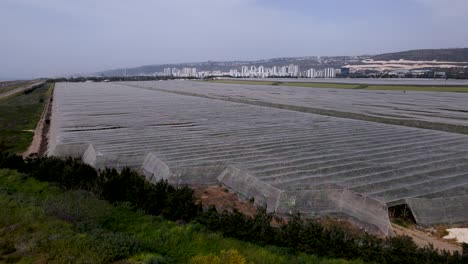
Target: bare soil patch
(223, 200)
(39, 143)
(424, 238)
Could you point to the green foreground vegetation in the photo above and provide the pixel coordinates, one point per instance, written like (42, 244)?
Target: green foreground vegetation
(61, 210)
(461, 89)
(42, 221)
(19, 115)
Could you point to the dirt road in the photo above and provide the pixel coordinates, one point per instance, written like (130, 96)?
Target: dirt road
(19, 90)
(38, 144)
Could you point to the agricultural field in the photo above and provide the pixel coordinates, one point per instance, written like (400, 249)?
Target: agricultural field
(11, 85)
(19, 115)
(289, 161)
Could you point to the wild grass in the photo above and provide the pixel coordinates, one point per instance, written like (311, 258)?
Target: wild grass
(42, 222)
(19, 115)
(8, 86)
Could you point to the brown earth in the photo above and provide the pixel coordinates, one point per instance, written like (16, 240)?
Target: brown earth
(423, 238)
(39, 143)
(223, 200)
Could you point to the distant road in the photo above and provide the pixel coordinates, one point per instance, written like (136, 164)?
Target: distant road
(370, 81)
(20, 89)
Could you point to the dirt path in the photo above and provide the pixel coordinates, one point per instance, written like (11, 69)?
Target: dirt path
(422, 239)
(19, 90)
(38, 144)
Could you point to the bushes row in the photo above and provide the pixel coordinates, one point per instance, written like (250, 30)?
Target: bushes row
(309, 236)
(178, 203)
(173, 203)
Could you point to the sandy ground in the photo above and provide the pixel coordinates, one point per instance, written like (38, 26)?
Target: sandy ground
(460, 234)
(423, 239)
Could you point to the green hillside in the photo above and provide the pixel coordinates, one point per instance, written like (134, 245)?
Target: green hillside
(456, 55)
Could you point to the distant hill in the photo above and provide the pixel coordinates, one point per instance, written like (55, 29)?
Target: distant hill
(302, 62)
(455, 55)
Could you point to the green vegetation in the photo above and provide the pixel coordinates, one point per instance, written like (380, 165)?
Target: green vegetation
(461, 89)
(19, 115)
(14, 85)
(134, 227)
(41, 221)
(457, 54)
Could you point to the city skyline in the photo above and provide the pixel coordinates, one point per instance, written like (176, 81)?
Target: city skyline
(290, 70)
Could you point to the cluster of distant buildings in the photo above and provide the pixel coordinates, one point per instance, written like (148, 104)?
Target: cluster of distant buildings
(254, 72)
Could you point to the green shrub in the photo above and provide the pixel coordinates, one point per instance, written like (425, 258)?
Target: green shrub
(6, 246)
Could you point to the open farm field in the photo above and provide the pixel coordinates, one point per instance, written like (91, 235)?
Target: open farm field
(198, 133)
(19, 115)
(11, 85)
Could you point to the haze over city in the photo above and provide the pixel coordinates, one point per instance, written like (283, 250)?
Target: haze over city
(53, 37)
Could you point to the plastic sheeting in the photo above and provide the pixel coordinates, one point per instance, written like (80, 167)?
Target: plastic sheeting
(447, 210)
(329, 164)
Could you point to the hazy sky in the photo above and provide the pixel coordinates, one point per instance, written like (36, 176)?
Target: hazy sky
(55, 37)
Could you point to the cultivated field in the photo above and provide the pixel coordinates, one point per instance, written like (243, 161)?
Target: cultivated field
(19, 114)
(289, 161)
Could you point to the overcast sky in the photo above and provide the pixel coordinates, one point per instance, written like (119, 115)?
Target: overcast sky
(40, 38)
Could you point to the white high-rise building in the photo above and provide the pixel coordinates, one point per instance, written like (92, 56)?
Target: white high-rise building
(295, 71)
(175, 72)
(329, 73)
(290, 69)
(284, 71)
(311, 73)
(185, 72)
(318, 74)
(245, 71)
(167, 72)
(275, 71)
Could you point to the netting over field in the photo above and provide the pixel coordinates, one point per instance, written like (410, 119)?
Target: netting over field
(288, 161)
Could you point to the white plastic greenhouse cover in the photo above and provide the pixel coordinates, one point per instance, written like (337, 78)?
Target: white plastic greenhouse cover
(288, 161)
